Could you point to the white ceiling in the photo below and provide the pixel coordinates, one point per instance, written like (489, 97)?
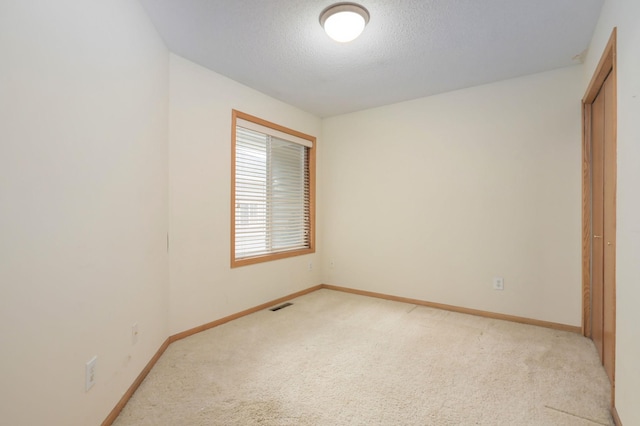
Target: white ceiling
(410, 49)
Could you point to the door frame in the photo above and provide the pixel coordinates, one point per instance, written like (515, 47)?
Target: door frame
(607, 66)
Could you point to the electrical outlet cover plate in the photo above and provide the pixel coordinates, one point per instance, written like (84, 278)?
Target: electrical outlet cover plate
(90, 373)
(498, 283)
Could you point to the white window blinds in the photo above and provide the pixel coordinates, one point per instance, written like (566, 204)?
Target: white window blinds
(272, 207)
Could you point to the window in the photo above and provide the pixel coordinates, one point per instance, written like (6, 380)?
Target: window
(272, 191)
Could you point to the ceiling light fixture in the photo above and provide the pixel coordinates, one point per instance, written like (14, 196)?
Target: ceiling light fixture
(344, 22)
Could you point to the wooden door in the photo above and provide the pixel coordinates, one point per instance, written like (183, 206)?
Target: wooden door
(597, 222)
(603, 166)
(609, 237)
(599, 209)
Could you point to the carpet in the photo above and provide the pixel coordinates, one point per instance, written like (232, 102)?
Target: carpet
(333, 358)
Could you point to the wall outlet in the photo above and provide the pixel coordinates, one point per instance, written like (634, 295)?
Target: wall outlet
(332, 263)
(310, 266)
(134, 334)
(90, 373)
(498, 283)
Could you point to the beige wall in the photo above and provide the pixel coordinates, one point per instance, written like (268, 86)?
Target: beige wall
(625, 14)
(432, 198)
(83, 205)
(203, 286)
(89, 121)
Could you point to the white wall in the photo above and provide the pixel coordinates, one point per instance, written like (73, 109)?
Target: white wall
(83, 205)
(432, 198)
(203, 286)
(625, 14)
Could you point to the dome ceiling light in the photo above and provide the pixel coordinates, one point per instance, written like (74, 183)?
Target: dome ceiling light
(344, 22)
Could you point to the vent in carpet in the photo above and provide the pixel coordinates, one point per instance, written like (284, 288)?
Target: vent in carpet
(284, 305)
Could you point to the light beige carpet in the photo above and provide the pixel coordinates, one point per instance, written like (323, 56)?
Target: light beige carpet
(339, 359)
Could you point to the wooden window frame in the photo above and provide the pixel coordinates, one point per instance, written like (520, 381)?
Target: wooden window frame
(235, 114)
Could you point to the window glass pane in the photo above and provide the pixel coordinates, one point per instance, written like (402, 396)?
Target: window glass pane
(271, 194)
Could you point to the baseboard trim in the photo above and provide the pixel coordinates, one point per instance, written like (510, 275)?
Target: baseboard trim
(249, 311)
(616, 416)
(134, 386)
(129, 393)
(469, 311)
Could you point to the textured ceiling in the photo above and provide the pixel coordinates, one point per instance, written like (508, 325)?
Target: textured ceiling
(410, 49)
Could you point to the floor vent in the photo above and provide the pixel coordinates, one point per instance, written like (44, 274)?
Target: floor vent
(284, 305)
